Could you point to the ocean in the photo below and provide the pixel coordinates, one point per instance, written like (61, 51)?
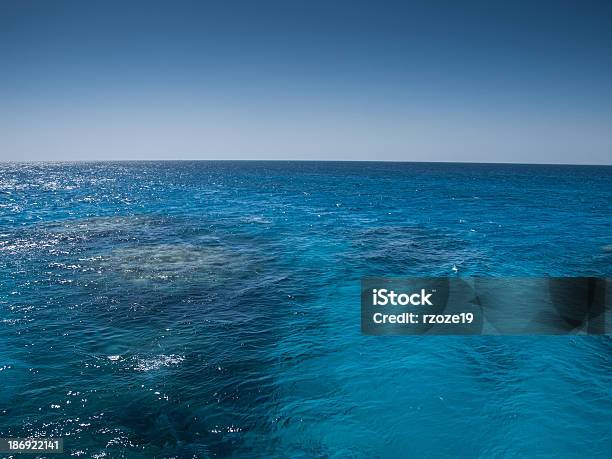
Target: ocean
(211, 309)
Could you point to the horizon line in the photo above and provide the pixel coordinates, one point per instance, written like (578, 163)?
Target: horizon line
(500, 163)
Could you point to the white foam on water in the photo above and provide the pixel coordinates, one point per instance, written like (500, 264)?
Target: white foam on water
(157, 362)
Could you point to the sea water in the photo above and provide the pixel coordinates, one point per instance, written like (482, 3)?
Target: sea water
(212, 309)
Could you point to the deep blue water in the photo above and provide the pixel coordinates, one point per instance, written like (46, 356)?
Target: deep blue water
(198, 309)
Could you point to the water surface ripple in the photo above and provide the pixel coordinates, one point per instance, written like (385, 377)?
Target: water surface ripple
(211, 309)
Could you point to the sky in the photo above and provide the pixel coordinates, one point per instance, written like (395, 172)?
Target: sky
(527, 82)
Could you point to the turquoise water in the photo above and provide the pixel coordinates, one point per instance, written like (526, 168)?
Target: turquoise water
(211, 309)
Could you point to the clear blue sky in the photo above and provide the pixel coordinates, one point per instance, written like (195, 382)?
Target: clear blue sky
(406, 81)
